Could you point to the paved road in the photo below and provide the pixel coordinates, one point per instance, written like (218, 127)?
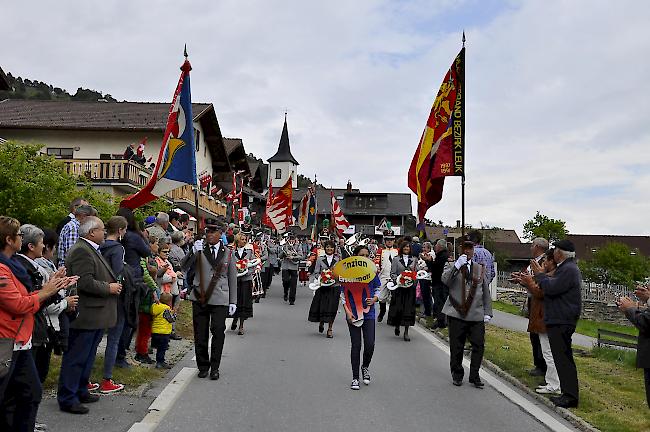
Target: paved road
(284, 376)
(519, 323)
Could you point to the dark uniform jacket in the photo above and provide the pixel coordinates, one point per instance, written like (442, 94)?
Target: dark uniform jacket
(641, 320)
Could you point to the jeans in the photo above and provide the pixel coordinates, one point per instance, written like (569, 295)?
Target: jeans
(76, 365)
(161, 343)
(425, 290)
(20, 394)
(112, 342)
(125, 342)
(646, 373)
(368, 331)
(42, 355)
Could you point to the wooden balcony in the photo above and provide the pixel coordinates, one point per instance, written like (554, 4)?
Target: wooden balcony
(128, 177)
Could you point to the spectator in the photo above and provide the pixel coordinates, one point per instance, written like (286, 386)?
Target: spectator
(562, 307)
(416, 247)
(640, 317)
(151, 296)
(113, 252)
(176, 253)
(161, 328)
(98, 293)
(136, 247)
(159, 228)
(425, 262)
(468, 308)
(482, 255)
(73, 206)
(439, 289)
(174, 222)
(538, 249)
(536, 325)
(17, 309)
(70, 232)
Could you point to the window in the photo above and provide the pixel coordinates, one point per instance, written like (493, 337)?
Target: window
(278, 174)
(61, 153)
(197, 139)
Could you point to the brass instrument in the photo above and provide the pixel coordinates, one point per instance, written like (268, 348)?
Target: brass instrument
(291, 253)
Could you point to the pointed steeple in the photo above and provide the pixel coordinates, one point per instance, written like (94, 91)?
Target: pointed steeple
(284, 150)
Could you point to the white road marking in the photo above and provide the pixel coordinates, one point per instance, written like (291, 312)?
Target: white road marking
(505, 389)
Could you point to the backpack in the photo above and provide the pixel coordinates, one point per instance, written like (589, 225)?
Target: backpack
(131, 290)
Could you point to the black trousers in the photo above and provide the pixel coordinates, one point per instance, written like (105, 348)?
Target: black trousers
(20, 394)
(427, 301)
(459, 332)
(368, 330)
(289, 283)
(559, 336)
(42, 355)
(208, 319)
(440, 293)
(267, 278)
(538, 357)
(646, 373)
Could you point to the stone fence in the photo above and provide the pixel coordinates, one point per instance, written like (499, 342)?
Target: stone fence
(598, 301)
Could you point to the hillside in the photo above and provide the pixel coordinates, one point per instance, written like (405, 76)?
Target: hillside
(32, 89)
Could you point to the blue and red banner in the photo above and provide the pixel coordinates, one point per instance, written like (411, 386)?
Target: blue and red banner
(176, 165)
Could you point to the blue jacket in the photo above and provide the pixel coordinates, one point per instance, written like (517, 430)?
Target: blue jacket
(135, 247)
(562, 294)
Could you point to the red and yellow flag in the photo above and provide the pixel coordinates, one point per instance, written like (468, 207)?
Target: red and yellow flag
(441, 151)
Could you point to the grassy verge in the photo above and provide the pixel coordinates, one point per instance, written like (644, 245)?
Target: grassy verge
(584, 327)
(184, 320)
(612, 395)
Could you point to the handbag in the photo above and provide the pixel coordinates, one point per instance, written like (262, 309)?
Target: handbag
(7, 351)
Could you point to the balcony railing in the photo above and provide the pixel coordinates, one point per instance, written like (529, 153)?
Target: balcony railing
(111, 171)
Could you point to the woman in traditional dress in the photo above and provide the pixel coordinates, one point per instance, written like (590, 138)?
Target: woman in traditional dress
(402, 303)
(244, 283)
(367, 329)
(325, 303)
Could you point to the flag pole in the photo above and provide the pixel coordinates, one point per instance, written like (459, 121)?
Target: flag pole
(462, 107)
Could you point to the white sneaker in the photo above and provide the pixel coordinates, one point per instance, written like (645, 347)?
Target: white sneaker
(546, 390)
(354, 385)
(365, 375)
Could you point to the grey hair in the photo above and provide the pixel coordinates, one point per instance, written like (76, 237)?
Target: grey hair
(89, 224)
(177, 237)
(76, 203)
(31, 234)
(427, 243)
(161, 218)
(86, 210)
(566, 254)
(442, 243)
(540, 242)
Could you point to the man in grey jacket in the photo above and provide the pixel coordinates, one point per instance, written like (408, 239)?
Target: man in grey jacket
(213, 296)
(468, 308)
(290, 254)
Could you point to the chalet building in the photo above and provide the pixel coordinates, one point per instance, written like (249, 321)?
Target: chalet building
(91, 137)
(364, 210)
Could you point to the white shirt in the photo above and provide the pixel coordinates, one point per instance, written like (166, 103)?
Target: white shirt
(329, 258)
(215, 248)
(240, 251)
(92, 243)
(406, 260)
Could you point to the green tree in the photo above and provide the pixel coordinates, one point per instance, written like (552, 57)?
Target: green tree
(616, 264)
(543, 226)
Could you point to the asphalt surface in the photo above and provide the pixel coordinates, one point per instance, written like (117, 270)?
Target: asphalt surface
(520, 323)
(282, 375)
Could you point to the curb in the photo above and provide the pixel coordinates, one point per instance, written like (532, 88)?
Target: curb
(564, 413)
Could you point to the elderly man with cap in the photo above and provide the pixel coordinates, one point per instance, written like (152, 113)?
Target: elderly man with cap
(214, 295)
(562, 307)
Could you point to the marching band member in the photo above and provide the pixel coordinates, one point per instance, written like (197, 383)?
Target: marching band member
(325, 303)
(402, 303)
(244, 309)
(290, 256)
(367, 329)
(384, 261)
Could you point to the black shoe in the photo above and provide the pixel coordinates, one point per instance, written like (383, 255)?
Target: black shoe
(536, 372)
(75, 409)
(257, 300)
(292, 303)
(286, 298)
(174, 336)
(380, 318)
(396, 331)
(457, 382)
(321, 327)
(233, 326)
(214, 375)
(477, 383)
(144, 359)
(89, 398)
(203, 373)
(564, 401)
(406, 337)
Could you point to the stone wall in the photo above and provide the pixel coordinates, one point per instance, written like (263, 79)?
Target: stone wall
(592, 310)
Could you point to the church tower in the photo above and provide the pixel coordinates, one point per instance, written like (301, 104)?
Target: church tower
(282, 164)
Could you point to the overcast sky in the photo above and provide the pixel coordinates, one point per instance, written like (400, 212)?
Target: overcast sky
(558, 93)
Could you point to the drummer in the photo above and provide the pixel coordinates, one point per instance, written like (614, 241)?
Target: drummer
(325, 303)
(367, 329)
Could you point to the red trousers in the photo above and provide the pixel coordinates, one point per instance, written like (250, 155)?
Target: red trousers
(144, 333)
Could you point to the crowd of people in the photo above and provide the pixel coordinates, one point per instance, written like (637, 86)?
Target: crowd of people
(65, 290)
